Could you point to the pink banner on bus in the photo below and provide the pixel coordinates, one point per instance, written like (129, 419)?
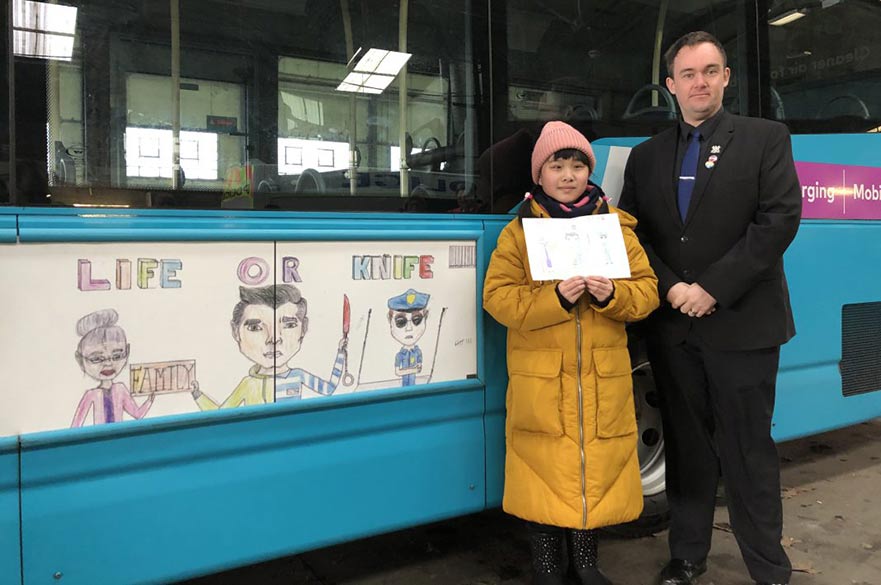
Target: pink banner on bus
(830, 191)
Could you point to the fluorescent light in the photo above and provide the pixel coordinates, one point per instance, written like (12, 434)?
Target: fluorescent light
(44, 46)
(43, 30)
(365, 83)
(44, 17)
(786, 18)
(374, 72)
(378, 81)
(382, 62)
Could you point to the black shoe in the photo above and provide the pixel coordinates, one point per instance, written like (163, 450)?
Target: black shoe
(547, 579)
(588, 576)
(583, 554)
(546, 544)
(766, 583)
(680, 572)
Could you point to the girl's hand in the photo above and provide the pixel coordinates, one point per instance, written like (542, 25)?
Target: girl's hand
(600, 287)
(572, 288)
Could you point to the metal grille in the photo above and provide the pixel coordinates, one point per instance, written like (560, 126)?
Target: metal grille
(860, 344)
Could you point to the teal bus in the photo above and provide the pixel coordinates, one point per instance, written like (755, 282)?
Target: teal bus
(249, 238)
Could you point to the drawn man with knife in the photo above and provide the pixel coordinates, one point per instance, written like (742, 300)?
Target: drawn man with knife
(269, 324)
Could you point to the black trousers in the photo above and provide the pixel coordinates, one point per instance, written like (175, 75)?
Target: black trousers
(716, 408)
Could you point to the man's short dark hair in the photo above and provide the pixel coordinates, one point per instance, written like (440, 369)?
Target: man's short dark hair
(690, 40)
(272, 296)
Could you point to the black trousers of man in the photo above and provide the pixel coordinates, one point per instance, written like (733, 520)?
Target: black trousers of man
(716, 408)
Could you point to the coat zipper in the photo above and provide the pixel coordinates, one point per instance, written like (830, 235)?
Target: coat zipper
(580, 417)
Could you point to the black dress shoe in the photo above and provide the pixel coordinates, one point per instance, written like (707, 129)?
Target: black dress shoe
(681, 572)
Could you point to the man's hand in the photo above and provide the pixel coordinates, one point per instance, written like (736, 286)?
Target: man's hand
(600, 287)
(676, 294)
(572, 288)
(696, 302)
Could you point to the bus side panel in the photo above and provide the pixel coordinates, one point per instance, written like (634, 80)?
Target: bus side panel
(10, 528)
(823, 255)
(159, 505)
(496, 378)
(831, 263)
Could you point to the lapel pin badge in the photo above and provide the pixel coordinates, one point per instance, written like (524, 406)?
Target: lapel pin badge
(715, 149)
(709, 164)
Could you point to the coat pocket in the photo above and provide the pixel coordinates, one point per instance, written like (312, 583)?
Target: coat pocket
(534, 390)
(616, 414)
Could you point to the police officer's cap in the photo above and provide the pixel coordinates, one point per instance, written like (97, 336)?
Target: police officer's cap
(409, 301)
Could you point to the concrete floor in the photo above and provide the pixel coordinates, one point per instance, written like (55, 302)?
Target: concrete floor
(832, 532)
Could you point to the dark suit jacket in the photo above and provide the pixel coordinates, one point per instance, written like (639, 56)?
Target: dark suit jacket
(744, 212)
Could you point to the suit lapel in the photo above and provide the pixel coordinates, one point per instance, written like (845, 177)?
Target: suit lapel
(720, 139)
(669, 182)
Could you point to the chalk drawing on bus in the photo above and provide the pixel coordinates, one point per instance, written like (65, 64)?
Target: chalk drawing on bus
(102, 353)
(408, 320)
(407, 315)
(269, 324)
(162, 377)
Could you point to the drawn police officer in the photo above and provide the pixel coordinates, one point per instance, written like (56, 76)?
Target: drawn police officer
(407, 321)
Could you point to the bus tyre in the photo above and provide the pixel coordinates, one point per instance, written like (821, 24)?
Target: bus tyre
(656, 513)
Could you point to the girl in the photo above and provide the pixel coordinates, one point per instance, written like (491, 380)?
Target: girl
(571, 463)
(102, 354)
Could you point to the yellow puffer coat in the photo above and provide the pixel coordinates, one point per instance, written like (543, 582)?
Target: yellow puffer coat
(571, 427)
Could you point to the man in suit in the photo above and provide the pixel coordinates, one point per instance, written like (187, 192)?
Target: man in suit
(718, 202)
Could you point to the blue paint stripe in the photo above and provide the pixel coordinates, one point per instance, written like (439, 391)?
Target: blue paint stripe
(8, 228)
(129, 428)
(843, 149)
(98, 225)
(350, 232)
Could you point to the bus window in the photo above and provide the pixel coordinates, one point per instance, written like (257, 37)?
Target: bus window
(825, 69)
(600, 67)
(213, 104)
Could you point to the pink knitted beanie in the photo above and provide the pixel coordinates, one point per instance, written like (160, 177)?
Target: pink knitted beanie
(557, 136)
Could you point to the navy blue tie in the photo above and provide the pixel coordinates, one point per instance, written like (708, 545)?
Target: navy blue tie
(688, 173)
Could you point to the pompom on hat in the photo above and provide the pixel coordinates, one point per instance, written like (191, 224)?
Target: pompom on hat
(558, 136)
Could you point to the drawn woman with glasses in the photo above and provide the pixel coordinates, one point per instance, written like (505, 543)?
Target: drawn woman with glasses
(102, 354)
(407, 316)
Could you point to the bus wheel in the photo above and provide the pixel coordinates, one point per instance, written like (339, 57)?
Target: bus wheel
(650, 447)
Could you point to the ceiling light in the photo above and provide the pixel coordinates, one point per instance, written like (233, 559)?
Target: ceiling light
(382, 62)
(786, 18)
(44, 17)
(44, 46)
(43, 30)
(374, 72)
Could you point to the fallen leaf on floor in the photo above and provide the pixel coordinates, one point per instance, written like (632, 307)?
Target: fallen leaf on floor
(790, 492)
(788, 541)
(805, 567)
